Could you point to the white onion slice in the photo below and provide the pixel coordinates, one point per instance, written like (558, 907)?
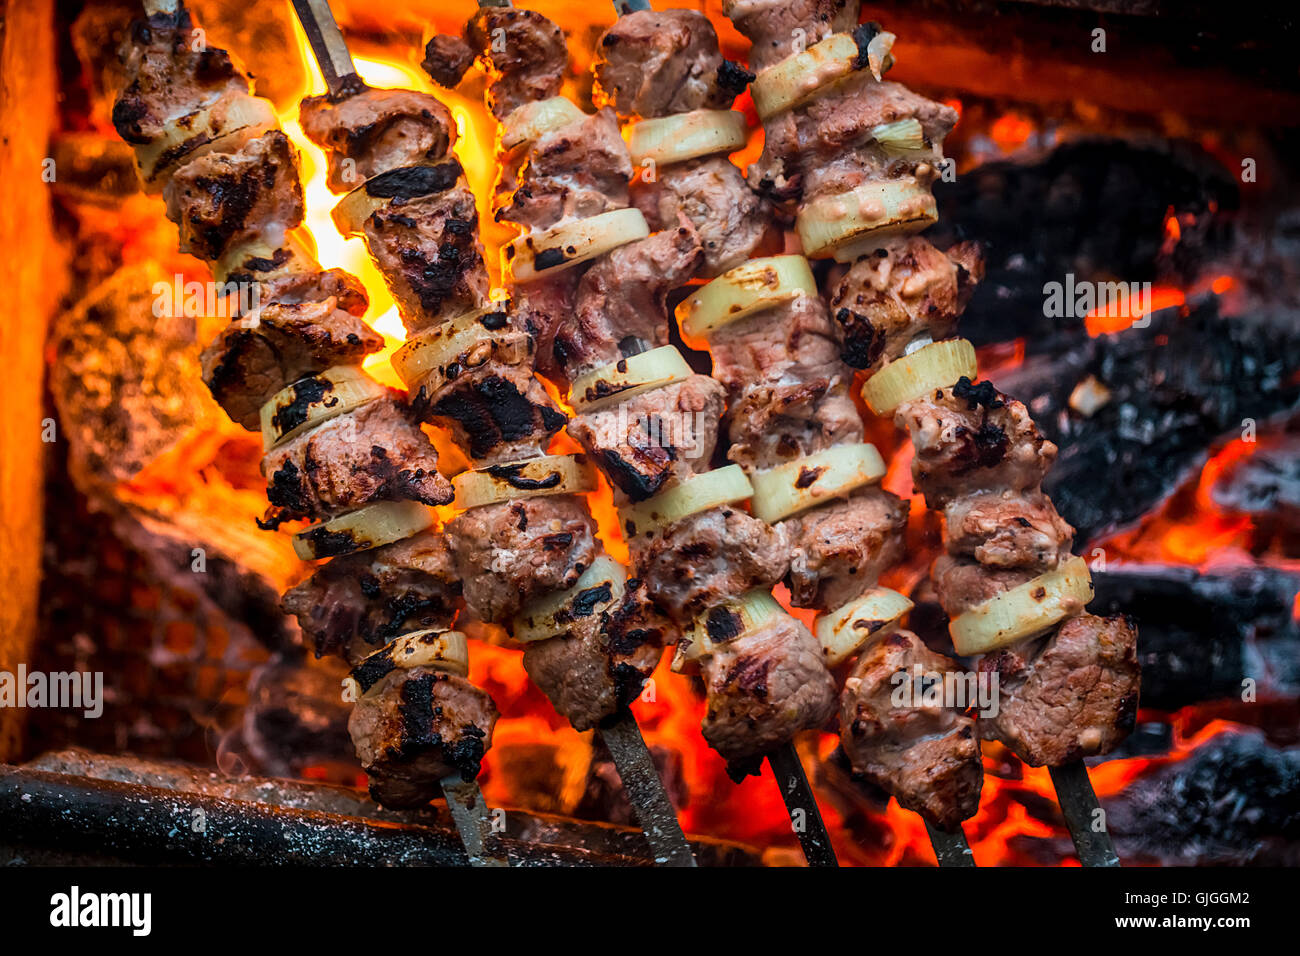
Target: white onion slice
(683, 136)
(725, 622)
(758, 284)
(433, 647)
(800, 75)
(846, 630)
(531, 478)
(713, 489)
(560, 247)
(431, 357)
(301, 258)
(813, 480)
(315, 399)
(534, 120)
(1025, 611)
(600, 586)
(627, 377)
(854, 223)
(227, 123)
(368, 527)
(931, 367)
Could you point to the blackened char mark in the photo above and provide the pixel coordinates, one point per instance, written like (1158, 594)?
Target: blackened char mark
(412, 182)
(723, 624)
(512, 475)
(306, 392)
(733, 78)
(975, 395)
(863, 34)
(861, 343)
(492, 411)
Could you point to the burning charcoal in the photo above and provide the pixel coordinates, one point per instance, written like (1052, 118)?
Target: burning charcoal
(1175, 387)
(1266, 485)
(1234, 800)
(1202, 634)
(1092, 208)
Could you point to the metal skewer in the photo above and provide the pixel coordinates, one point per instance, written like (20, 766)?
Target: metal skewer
(1079, 806)
(950, 849)
(799, 799)
(654, 811)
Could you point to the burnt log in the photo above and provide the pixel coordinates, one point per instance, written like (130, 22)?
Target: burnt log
(1176, 386)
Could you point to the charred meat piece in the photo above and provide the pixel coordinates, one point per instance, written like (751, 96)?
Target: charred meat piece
(702, 560)
(622, 298)
(416, 727)
(257, 356)
(925, 754)
(543, 308)
(840, 549)
(495, 412)
(375, 131)
(656, 63)
(734, 223)
(900, 293)
(428, 250)
(1070, 696)
(168, 77)
(764, 687)
(1009, 529)
(662, 434)
(824, 146)
(446, 58)
(574, 172)
(223, 199)
(970, 437)
(788, 391)
(301, 288)
(374, 453)
(523, 53)
(776, 26)
(587, 675)
(509, 553)
(357, 603)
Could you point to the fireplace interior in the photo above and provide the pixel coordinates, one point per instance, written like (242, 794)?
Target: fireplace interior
(1167, 156)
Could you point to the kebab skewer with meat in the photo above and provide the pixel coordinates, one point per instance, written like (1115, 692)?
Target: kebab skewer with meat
(524, 545)
(854, 156)
(341, 450)
(792, 421)
(694, 553)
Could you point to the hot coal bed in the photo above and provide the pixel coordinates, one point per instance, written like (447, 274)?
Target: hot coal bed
(1102, 144)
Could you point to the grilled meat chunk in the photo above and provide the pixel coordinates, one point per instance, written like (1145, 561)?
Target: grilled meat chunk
(495, 412)
(970, 437)
(1070, 696)
(839, 550)
(167, 77)
(428, 250)
(774, 27)
(417, 726)
(924, 754)
(523, 54)
(220, 200)
(373, 453)
(706, 558)
(374, 131)
(587, 675)
(357, 603)
(905, 291)
(656, 63)
(574, 172)
(734, 223)
(510, 553)
(622, 299)
(300, 288)
(260, 354)
(764, 686)
(643, 442)
(1009, 529)
(446, 58)
(788, 391)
